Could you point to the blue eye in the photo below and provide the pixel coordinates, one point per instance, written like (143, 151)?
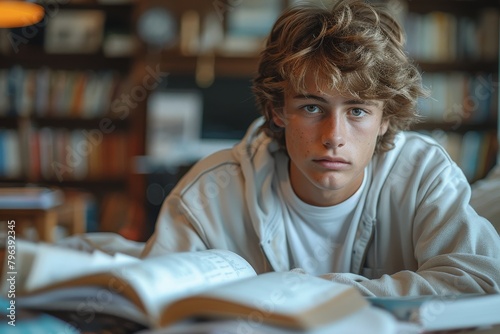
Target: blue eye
(311, 108)
(357, 112)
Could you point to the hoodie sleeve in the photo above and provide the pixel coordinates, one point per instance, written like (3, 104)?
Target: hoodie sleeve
(174, 232)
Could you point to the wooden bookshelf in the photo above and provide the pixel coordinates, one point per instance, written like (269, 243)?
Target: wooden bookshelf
(455, 44)
(226, 66)
(62, 124)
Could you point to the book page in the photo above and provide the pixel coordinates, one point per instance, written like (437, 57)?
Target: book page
(461, 312)
(149, 283)
(440, 313)
(285, 298)
(160, 280)
(89, 301)
(366, 320)
(288, 286)
(19, 264)
(44, 264)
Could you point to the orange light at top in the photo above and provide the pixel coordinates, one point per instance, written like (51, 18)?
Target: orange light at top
(19, 13)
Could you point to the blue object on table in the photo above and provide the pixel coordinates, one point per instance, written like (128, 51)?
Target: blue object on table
(18, 321)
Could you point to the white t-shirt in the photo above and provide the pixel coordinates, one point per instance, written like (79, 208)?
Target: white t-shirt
(317, 236)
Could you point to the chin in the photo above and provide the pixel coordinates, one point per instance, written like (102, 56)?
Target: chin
(330, 185)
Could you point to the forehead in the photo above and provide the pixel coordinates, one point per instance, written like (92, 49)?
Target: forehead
(322, 86)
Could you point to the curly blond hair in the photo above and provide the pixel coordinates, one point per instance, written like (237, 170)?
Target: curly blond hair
(354, 47)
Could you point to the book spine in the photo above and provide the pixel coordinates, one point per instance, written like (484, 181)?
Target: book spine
(443, 37)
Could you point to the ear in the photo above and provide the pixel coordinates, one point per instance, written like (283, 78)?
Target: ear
(278, 119)
(383, 127)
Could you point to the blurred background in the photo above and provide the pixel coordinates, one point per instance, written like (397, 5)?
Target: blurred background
(111, 101)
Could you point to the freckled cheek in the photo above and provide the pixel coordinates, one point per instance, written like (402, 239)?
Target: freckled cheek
(300, 142)
(296, 136)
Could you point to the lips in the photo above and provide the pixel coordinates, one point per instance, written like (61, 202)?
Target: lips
(332, 163)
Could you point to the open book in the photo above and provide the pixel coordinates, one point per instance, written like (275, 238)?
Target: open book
(439, 313)
(160, 291)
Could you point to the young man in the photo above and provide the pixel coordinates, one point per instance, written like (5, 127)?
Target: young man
(327, 181)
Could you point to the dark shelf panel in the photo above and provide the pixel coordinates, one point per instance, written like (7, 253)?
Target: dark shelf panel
(68, 122)
(453, 127)
(94, 4)
(465, 7)
(11, 182)
(9, 122)
(228, 66)
(92, 185)
(78, 123)
(466, 66)
(35, 57)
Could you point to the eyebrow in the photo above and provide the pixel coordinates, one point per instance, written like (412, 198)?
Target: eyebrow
(348, 102)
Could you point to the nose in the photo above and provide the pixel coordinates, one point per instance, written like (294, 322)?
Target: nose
(333, 131)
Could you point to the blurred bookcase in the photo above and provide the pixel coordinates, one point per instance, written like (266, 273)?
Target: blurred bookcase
(456, 46)
(62, 121)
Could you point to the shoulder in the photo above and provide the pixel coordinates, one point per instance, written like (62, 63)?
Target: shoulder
(226, 183)
(213, 168)
(416, 168)
(243, 163)
(410, 142)
(415, 156)
(418, 149)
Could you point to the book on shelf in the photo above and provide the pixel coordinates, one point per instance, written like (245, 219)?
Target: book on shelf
(471, 147)
(437, 36)
(30, 197)
(10, 154)
(77, 154)
(159, 291)
(444, 313)
(459, 98)
(4, 92)
(46, 92)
